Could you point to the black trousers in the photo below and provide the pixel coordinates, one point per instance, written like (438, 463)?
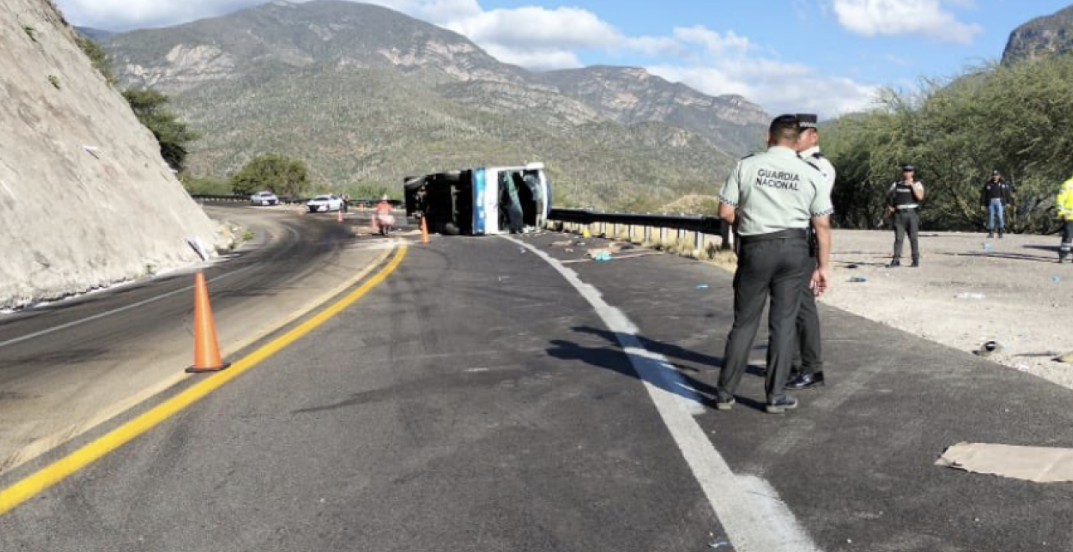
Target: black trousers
(906, 221)
(808, 355)
(767, 268)
(1067, 240)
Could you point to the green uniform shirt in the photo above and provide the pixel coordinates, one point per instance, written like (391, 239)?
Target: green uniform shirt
(776, 190)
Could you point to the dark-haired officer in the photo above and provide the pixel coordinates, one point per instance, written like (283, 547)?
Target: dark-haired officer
(905, 197)
(807, 368)
(773, 197)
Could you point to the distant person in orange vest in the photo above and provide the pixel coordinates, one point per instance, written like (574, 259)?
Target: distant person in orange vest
(384, 207)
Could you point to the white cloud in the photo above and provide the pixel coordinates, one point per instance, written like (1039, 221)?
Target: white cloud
(778, 87)
(118, 15)
(537, 37)
(905, 17)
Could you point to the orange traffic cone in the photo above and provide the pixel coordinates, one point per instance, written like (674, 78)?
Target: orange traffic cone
(424, 231)
(339, 216)
(206, 349)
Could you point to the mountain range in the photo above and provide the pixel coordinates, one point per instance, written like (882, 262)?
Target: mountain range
(365, 94)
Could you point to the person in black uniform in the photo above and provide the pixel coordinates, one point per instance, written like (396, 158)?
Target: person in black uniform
(773, 197)
(994, 197)
(905, 197)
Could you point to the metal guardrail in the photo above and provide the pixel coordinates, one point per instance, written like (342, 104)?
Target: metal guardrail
(612, 224)
(239, 198)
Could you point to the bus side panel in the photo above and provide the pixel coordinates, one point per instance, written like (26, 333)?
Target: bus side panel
(480, 211)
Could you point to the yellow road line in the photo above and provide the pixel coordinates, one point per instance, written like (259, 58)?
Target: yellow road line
(54, 473)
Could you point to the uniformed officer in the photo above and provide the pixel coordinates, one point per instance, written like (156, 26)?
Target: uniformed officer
(905, 197)
(772, 197)
(807, 368)
(1065, 214)
(994, 198)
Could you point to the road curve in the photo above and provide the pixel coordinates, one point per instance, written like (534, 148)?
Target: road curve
(65, 366)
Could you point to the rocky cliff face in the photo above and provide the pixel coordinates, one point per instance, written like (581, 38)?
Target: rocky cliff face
(1040, 38)
(86, 200)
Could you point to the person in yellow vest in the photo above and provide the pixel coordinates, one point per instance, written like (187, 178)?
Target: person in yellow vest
(1065, 213)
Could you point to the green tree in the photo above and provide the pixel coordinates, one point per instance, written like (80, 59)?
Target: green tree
(273, 172)
(172, 134)
(96, 55)
(1017, 119)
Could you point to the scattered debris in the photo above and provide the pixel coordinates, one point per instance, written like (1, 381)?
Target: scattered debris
(1036, 464)
(1066, 358)
(603, 252)
(602, 257)
(987, 348)
(568, 250)
(1056, 279)
(703, 286)
(565, 243)
(973, 296)
(858, 280)
(988, 247)
(853, 267)
(718, 544)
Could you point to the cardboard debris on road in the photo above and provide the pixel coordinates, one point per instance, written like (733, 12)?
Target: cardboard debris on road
(1036, 464)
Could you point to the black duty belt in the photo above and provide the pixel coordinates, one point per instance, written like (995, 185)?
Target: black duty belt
(792, 234)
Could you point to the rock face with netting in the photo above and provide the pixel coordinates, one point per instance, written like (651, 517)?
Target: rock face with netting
(85, 197)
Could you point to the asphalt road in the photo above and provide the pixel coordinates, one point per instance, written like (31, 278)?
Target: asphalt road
(476, 400)
(64, 366)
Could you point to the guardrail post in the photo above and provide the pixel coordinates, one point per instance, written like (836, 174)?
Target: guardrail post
(698, 241)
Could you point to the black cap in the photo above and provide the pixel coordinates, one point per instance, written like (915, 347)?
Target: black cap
(908, 168)
(806, 121)
(996, 173)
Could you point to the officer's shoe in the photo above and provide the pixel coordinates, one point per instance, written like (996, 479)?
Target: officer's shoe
(990, 235)
(781, 405)
(724, 403)
(805, 381)
(1000, 233)
(916, 264)
(894, 264)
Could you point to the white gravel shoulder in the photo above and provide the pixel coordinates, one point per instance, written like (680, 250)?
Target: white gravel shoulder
(968, 290)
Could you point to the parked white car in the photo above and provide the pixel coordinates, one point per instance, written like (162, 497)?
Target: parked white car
(324, 204)
(264, 198)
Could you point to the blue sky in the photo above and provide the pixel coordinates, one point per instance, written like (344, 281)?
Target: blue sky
(828, 56)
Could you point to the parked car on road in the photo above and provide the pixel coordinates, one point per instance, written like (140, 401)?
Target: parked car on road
(264, 198)
(324, 204)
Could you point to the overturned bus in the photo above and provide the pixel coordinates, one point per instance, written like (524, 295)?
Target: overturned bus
(481, 201)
